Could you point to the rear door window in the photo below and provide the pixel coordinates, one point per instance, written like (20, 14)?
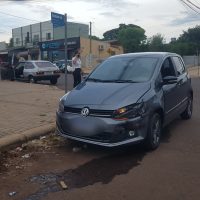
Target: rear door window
(29, 65)
(44, 64)
(180, 68)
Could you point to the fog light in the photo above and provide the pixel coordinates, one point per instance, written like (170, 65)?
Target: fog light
(132, 133)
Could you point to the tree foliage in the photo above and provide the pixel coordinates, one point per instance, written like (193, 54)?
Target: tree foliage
(131, 38)
(113, 33)
(192, 35)
(11, 42)
(156, 43)
(93, 37)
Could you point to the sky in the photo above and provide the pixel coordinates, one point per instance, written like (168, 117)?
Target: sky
(167, 17)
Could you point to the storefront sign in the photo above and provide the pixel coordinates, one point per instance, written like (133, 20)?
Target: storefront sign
(57, 19)
(60, 44)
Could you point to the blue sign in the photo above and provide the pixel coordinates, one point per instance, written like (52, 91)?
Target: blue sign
(57, 19)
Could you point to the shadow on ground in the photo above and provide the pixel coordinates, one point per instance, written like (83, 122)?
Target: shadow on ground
(116, 162)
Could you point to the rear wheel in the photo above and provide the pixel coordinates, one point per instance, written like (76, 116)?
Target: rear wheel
(152, 140)
(187, 114)
(53, 81)
(32, 79)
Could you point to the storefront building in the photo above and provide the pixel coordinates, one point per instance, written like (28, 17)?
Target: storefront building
(100, 50)
(55, 49)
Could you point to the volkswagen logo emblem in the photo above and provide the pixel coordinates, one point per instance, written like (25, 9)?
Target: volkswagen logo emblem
(85, 112)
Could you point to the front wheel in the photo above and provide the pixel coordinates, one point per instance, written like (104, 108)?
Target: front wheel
(187, 114)
(53, 81)
(152, 140)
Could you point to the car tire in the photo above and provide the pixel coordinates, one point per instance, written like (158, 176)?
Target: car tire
(53, 81)
(187, 114)
(31, 79)
(152, 140)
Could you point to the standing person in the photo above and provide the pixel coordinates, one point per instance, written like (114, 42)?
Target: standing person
(76, 64)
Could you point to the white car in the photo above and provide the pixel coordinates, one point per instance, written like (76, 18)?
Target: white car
(34, 71)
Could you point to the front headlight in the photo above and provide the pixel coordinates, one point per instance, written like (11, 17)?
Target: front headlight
(130, 111)
(61, 107)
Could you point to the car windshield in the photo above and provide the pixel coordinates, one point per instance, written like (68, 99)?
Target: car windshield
(44, 64)
(138, 69)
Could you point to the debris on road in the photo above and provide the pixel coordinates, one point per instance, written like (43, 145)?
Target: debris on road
(12, 194)
(18, 149)
(76, 149)
(63, 185)
(26, 156)
(43, 137)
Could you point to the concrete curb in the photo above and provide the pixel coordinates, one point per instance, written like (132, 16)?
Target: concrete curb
(19, 138)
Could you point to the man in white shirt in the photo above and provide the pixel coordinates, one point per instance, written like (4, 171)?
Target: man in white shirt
(76, 64)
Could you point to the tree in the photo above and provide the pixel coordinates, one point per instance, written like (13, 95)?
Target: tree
(93, 37)
(11, 42)
(191, 35)
(113, 33)
(132, 38)
(187, 43)
(156, 42)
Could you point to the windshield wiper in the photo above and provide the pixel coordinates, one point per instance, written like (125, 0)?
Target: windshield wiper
(123, 81)
(111, 81)
(94, 79)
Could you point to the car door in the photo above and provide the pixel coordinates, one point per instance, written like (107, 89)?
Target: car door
(182, 82)
(29, 69)
(169, 90)
(19, 71)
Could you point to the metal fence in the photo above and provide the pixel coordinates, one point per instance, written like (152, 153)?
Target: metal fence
(193, 65)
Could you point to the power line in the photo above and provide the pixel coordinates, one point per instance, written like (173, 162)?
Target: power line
(189, 6)
(193, 4)
(18, 17)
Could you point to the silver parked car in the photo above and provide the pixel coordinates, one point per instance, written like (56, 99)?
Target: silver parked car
(34, 71)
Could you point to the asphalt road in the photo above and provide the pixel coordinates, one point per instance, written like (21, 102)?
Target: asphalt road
(61, 82)
(172, 172)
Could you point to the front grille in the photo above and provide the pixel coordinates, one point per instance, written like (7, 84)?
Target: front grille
(73, 110)
(93, 112)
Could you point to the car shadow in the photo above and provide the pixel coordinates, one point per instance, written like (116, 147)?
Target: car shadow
(103, 169)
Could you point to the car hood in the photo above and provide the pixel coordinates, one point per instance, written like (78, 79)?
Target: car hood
(98, 95)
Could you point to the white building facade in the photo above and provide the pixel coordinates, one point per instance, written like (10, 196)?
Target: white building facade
(28, 36)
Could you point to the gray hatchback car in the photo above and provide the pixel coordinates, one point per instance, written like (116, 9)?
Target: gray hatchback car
(127, 99)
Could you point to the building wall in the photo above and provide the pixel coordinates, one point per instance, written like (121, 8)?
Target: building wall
(73, 30)
(34, 32)
(100, 51)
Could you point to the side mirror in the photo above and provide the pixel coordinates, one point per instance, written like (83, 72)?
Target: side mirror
(85, 76)
(169, 80)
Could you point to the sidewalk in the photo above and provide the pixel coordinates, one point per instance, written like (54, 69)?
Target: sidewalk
(25, 106)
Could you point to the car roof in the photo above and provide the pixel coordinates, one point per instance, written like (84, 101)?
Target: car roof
(145, 54)
(34, 61)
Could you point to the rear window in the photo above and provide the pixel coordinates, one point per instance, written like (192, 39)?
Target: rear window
(44, 64)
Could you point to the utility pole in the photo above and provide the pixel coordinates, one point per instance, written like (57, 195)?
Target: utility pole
(198, 61)
(22, 42)
(40, 31)
(90, 44)
(65, 53)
